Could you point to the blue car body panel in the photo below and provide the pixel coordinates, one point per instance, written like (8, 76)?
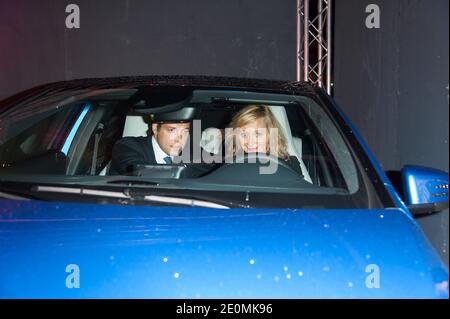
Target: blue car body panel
(167, 252)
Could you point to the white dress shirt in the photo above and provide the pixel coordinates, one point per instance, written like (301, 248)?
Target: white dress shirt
(159, 153)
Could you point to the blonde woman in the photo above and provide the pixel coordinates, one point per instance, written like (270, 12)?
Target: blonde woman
(254, 129)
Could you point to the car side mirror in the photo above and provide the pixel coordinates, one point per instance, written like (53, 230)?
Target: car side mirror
(425, 190)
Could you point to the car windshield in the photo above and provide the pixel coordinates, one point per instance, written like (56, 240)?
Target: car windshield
(229, 144)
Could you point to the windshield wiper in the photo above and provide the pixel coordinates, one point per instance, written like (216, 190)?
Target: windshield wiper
(12, 196)
(126, 194)
(131, 182)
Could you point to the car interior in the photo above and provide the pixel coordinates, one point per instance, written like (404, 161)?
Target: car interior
(136, 125)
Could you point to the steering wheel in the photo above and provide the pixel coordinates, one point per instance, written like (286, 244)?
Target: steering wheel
(265, 158)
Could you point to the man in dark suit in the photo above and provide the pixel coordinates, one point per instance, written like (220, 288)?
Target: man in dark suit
(166, 142)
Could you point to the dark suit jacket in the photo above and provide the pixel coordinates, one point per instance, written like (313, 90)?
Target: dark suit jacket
(130, 151)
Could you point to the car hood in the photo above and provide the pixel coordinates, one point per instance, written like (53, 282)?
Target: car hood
(167, 252)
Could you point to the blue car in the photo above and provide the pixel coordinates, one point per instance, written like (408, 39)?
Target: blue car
(309, 214)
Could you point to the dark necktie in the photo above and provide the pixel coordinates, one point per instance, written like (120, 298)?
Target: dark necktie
(168, 160)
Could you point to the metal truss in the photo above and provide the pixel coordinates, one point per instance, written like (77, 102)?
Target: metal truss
(314, 39)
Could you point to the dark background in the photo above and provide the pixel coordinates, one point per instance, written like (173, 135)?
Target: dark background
(392, 81)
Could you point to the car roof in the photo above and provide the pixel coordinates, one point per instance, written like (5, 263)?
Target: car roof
(66, 88)
(182, 80)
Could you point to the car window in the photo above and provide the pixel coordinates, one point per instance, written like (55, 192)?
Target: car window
(328, 159)
(89, 136)
(36, 134)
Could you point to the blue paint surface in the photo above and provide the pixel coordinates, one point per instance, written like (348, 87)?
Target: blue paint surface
(167, 252)
(425, 185)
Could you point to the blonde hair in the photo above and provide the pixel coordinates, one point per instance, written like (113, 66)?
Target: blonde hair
(250, 114)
